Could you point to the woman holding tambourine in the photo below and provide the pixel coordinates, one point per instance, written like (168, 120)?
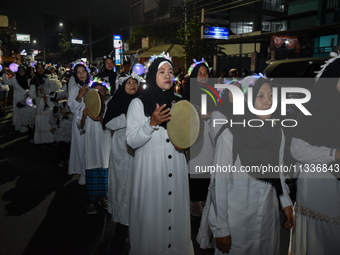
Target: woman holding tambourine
(159, 207)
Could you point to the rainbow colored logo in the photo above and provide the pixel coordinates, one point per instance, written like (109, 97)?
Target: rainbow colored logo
(208, 89)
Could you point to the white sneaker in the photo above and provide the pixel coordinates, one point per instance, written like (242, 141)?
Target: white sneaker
(82, 179)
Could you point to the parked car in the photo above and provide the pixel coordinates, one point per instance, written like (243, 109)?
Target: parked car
(285, 72)
(298, 73)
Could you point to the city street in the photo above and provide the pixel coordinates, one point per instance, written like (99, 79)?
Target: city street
(42, 208)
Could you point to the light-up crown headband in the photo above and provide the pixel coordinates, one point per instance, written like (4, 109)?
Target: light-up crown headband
(196, 63)
(96, 81)
(153, 57)
(80, 63)
(249, 81)
(133, 75)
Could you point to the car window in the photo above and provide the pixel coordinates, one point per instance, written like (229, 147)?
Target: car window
(292, 70)
(312, 69)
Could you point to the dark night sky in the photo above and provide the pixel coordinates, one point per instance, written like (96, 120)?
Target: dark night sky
(109, 14)
(29, 13)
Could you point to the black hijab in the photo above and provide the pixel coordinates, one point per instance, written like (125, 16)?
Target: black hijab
(323, 126)
(120, 102)
(38, 79)
(81, 83)
(109, 73)
(227, 107)
(258, 146)
(196, 89)
(22, 80)
(193, 75)
(154, 94)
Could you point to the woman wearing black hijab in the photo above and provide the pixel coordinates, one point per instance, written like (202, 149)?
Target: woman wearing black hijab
(316, 147)
(159, 212)
(244, 209)
(108, 74)
(201, 152)
(78, 86)
(20, 84)
(121, 155)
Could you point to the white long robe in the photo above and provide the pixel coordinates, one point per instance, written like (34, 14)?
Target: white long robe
(97, 142)
(77, 151)
(318, 197)
(42, 133)
(18, 95)
(159, 207)
(243, 207)
(120, 165)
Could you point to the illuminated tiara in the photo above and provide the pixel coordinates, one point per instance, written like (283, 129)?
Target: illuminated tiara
(133, 75)
(250, 80)
(153, 57)
(80, 63)
(100, 83)
(196, 63)
(233, 81)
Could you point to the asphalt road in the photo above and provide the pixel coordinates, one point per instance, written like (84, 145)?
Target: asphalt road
(42, 208)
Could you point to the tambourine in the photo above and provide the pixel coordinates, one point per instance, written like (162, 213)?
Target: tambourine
(186, 124)
(94, 102)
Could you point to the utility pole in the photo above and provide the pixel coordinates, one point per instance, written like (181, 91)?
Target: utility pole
(195, 29)
(90, 36)
(185, 29)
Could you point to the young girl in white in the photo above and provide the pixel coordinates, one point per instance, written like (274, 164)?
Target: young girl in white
(61, 124)
(77, 88)
(97, 151)
(121, 155)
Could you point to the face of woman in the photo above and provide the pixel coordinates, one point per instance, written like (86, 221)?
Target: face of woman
(101, 89)
(40, 69)
(202, 74)
(81, 73)
(21, 72)
(109, 64)
(164, 76)
(264, 100)
(131, 86)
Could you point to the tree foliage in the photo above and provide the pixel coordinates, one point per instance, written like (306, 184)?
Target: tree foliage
(136, 38)
(195, 47)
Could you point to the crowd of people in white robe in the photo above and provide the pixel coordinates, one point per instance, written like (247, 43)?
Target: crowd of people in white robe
(131, 168)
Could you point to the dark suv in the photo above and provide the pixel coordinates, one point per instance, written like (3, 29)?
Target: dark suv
(298, 73)
(289, 71)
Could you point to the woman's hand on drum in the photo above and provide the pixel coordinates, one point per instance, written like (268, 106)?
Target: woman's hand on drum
(82, 92)
(160, 115)
(98, 118)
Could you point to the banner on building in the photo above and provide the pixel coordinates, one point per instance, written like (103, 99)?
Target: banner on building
(289, 41)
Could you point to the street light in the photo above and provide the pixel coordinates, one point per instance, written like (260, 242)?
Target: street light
(61, 24)
(34, 41)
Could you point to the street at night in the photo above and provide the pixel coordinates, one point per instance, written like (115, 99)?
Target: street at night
(184, 127)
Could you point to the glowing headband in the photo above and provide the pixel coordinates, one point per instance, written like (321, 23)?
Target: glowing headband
(196, 63)
(80, 63)
(100, 83)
